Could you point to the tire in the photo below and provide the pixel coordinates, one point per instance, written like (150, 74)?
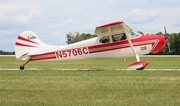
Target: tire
(21, 67)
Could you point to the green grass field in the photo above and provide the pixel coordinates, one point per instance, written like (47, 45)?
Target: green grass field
(107, 64)
(107, 87)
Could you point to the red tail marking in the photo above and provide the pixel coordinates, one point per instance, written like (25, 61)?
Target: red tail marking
(24, 39)
(24, 54)
(20, 44)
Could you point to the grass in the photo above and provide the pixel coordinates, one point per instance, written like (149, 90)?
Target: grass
(109, 64)
(90, 88)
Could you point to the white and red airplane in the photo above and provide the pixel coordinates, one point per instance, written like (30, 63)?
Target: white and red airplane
(113, 40)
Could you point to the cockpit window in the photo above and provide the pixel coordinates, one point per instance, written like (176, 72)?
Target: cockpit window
(118, 37)
(105, 39)
(134, 34)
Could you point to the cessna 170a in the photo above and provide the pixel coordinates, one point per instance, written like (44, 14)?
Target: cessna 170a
(113, 40)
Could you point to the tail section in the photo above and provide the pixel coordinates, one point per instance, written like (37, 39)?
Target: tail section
(28, 43)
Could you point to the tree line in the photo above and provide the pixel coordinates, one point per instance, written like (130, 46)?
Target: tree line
(174, 45)
(6, 52)
(174, 41)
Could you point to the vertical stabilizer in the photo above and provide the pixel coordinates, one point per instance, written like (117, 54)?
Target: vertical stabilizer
(28, 43)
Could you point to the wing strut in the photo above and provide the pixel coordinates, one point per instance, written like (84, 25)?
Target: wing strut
(128, 35)
(139, 65)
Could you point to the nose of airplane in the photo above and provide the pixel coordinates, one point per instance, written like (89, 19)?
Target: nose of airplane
(159, 45)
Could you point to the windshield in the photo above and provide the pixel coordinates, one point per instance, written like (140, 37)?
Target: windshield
(134, 34)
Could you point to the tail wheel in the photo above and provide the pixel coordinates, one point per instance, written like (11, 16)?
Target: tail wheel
(21, 67)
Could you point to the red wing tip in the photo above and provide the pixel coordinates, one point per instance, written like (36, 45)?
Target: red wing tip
(110, 24)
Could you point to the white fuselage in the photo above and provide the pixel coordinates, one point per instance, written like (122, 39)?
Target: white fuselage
(92, 48)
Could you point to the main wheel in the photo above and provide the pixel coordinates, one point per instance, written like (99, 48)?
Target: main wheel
(21, 67)
(142, 68)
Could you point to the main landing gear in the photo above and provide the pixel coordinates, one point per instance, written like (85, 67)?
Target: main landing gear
(22, 66)
(138, 65)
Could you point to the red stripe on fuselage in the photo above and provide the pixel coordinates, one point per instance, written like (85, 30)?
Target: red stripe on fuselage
(120, 45)
(44, 56)
(157, 46)
(108, 47)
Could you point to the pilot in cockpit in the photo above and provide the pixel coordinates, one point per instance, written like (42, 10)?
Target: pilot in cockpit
(107, 40)
(123, 37)
(119, 37)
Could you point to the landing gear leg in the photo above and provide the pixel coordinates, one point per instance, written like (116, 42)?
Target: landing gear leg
(22, 66)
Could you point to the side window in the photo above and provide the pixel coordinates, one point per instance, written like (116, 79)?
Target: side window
(104, 39)
(118, 37)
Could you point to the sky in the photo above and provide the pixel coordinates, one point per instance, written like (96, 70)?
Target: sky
(51, 20)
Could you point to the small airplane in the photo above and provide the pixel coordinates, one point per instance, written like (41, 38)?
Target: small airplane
(114, 40)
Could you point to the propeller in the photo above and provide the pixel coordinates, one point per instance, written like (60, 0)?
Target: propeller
(167, 39)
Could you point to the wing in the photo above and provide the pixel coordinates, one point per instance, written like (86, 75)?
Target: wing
(112, 29)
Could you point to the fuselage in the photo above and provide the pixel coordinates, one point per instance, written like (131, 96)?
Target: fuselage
(93, 48)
